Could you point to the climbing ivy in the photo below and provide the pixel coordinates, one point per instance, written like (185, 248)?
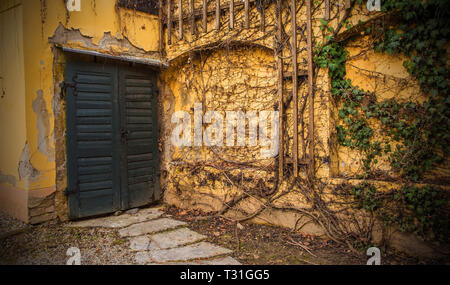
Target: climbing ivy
(419, 210)
(424, 129)
(355, 131)
(418, 132)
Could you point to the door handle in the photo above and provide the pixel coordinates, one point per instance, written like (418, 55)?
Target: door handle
(124, 134)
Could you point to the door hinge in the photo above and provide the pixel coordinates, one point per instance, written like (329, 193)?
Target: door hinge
(64, 85)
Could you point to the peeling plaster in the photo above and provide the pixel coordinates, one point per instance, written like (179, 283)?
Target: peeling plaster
(124, 44)
(64, 36)
(26, 169)
(56, 100)
(109, 44)
(5, 178)
(43, 127)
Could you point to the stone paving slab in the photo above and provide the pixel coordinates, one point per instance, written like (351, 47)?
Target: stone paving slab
(174, 238)
(216, 261)
(189, 252)
(142, 258)
(139, 243)
(221, 261)
(150, 227)
(159, 241)
(121, 221)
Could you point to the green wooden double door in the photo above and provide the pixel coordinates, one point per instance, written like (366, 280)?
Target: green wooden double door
(112, 138)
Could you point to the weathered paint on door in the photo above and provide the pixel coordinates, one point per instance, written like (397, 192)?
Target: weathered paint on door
(112, 151)
(139, 131)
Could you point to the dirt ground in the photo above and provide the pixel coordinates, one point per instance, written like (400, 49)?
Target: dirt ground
(253, 244)
(256, 244)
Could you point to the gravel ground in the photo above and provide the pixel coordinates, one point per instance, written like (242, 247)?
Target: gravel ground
(47, 244)
(9, 225)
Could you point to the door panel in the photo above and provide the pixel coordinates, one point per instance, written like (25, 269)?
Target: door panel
(139, 137)
(112, 145)
(92, 139)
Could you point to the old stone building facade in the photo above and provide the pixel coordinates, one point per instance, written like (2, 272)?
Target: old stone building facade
(222, 58)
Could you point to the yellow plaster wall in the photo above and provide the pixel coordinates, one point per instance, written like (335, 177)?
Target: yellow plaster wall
(102, 26)
(242, 68)
(96, 19)
(386, 77)
(201, 178)
(30, 31)
(222, 81)
(12, 110)
(12, 93)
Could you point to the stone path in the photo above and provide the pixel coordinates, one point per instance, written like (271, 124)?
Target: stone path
(158, 240)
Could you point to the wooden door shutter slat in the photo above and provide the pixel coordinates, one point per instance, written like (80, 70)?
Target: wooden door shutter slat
(138, 120)
(92, 139)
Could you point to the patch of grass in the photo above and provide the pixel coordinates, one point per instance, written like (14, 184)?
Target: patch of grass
(119, 241)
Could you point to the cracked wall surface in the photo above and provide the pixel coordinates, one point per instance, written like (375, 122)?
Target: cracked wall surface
(108, 44)
(100, 26)
(30, 105)
(27, 171)
(43, 127)
(223, 69)
(8, 179)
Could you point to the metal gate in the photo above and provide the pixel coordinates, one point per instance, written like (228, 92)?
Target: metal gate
(112, 135)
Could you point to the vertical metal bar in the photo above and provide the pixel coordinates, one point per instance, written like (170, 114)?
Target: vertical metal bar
(302, 133)
(310, 90)
(294, 84)
(160, 23)
(262, 14)
(247, 16)
(231, 14)
(338, 7)
(192, 17)
(327, 10)
(279, 60)
(180, 19)
(169, 22)
(217, 15)
(205, 16)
